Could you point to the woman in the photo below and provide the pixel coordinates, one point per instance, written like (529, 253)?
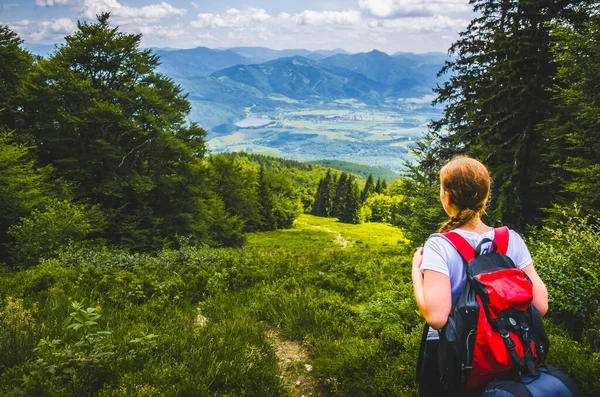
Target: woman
(438, 272)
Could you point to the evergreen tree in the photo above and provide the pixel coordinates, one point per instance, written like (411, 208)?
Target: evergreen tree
(15, 63)
(109, 123)
(324, 197)
(496, 99)
(318, 208)
(378, 186)
(339, 200)
(350, 212)
(331, 192)
(384, 186)
(236, 185)
(266, 202)
(368, 189)
(573, 147)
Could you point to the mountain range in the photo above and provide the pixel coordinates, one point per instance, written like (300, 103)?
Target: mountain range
(222, 97)
(224, 83)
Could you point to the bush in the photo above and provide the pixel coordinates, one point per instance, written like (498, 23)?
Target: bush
(566, 251)
(43, 232)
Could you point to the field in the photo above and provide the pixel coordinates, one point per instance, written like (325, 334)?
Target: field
(356, 134)
(294, 312)
(321, 309)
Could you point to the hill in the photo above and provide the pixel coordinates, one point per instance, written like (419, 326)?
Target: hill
(404, 75)
(202, 61)
(357, 169)
(302, 79)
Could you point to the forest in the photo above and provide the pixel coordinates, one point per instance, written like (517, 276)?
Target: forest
(133, 262)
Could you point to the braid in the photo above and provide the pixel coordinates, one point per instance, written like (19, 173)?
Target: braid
(462, 218)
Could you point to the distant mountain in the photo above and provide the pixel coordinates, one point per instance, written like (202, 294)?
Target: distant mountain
(405, 74)
(262, 55)
(302, 78)
(200, 61)
(223, 84)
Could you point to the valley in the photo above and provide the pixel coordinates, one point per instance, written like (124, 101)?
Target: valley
(353, 133)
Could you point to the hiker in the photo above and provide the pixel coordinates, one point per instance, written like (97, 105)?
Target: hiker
(438, 271)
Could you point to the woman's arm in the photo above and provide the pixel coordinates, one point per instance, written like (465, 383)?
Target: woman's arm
(540, 293)
(432, 293)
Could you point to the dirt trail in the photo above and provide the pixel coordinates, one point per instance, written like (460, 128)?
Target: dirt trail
(291, 357)
(338, 236)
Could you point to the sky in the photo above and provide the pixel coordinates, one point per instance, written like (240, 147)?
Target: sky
(354, 25)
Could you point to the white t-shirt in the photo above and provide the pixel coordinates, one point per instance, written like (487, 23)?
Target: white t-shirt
(440, 255)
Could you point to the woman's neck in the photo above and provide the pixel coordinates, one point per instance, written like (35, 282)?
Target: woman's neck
(476, 225)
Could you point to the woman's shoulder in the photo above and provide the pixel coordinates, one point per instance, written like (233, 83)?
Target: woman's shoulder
(438, 243)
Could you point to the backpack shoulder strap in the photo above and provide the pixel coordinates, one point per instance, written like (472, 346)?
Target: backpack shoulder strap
(501, 235)
(462, 246)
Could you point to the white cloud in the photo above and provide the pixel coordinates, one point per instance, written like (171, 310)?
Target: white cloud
(350, 29)
(412, 8)
(232, 18)
(43, 31)
(195, 5)
(50, 3)
(125, 14)
(419, 24)
(257, 17)
(170, 32)
(350, 17)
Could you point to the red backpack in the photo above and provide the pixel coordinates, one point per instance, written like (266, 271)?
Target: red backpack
(493, 331)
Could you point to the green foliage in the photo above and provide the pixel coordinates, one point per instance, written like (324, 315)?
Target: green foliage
(18, 332)
(79, 367)
(497, 99)
(261, 199)
(23, 186)
(383, 208)
(565, 251)
(368, 189)
(572, 132)
(116, 129)
(14, 66)
(45, 231)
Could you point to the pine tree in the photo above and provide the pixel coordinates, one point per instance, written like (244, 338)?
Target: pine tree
(266, 202)
(324, 197)
(378, 186)
(368, 189)
(339, 201)
(573, 147)
(351, 208)
(331, 191)
(497, 97)
(15, 63)
(384, 186)
(318, 208)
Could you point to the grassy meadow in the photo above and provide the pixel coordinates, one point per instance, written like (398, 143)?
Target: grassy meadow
(322, 309)
(202, 321)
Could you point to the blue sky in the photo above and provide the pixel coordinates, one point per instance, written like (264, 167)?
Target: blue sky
(354, 25)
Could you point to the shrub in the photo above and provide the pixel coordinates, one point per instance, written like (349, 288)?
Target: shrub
(565, 251)
(18, 332)
(43, 232)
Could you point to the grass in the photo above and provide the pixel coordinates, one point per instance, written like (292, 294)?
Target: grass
(318, 233)
(342, 292)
